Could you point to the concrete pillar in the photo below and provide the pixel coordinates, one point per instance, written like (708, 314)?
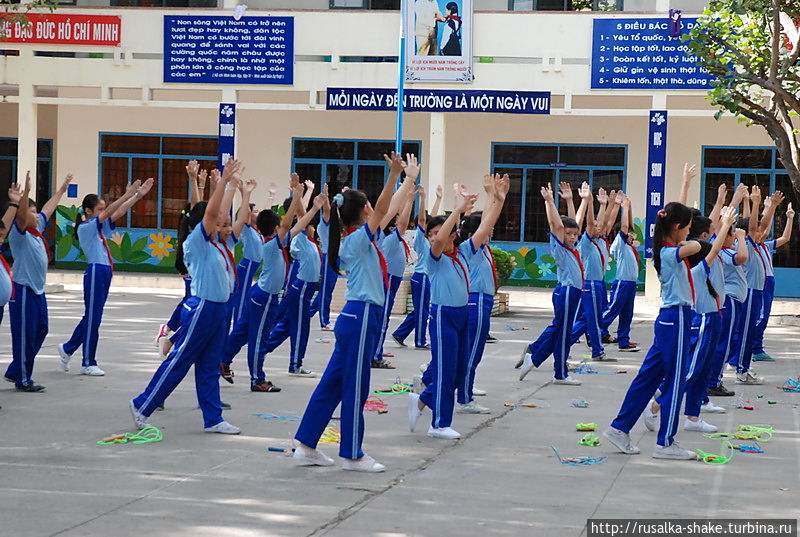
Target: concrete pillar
(436, 159)
(27, 136)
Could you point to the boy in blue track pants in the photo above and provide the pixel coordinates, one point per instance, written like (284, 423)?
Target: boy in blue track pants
(557, 338)
(28, 304)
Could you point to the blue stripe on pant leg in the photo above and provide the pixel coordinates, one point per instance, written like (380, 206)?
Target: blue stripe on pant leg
(766, 309)
(410, 322)
(752, 318)
(101, 282)
(357, 406)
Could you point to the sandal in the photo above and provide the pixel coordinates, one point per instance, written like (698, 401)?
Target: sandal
(381, 364)
(263, 386)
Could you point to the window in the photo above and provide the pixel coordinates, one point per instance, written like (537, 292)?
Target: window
(345, 163)
(127, 157)
(752, 166)
(365, 4)
(565, 5)
(533, 166)
(8, 169)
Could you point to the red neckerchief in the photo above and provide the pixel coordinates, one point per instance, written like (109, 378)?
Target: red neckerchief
(405, 245)
(230, 265)
(599, 252)
(286, 260)
(577, 255)
(381, 259)
(36, 233)
(319, 250)
(490, 257)
(7, 268)
(688, 270)
(256, 230)
(453, 17)
(761, 258)
(105, 245)
(635, 251)
(718, 300)
(456, 261)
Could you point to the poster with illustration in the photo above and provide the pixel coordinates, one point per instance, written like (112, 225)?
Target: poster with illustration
(438, 41)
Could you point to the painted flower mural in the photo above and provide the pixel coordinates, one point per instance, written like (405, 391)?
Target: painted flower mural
(160, 246)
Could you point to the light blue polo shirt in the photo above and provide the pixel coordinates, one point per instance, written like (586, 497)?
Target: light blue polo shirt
(91, 241)
(358, 257)
(754, 268)
(423, 248)
(251, 241)
(625, 257)
(5, 287)
(479, 263)
(567, 261)
(703, 275)
(675, 287)
(273, 267)
(393, 249)
(449, 280)
(735, 279)
(594, 264)
(324, 232)
(307, 254)
(30, 256)
(208, 266)
(768, 249)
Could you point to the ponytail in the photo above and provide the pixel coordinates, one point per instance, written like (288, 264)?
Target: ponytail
(346, 209)
(696, 259)
(190, 217)
(90, 201)
(673, 213)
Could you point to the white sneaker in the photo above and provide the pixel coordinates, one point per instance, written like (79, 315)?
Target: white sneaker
(650, 417)
(413, 411)
(748, 377)
(305, 454)
(364, 464)
(302, 372)
(472, 408)
(423, 368)
(699, 426)
(711, 408)
(417, 385)
(223, 427)
(138, 418)
(567, 381)
(478, 392)
(527, 364)
(446, 433)
(64, 357)
(92, 371)
(674, 452)
(621, 440)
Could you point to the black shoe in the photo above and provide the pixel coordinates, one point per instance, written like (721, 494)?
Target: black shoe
(630, 347)
(225, 372)
(720, 391)
(225, 405)
(491, 339)
(381, 364)
(12, 380)
(31, 388)
(161, 407)
(399, 341)
(588, 343)
(609, 339)
(264, 386)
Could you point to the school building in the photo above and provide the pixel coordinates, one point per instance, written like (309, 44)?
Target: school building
(110, 113)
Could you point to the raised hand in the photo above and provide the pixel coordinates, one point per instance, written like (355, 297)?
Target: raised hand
(790, 211)
(309, 185)
(777, 198)
(565, 191)
(467, 203)
(294, 180)
(602, 196)
(620, 198)
(728, 216)
(320, 200)
(191, 169)
(585, 192)
(722, 191)
(412, 167)
(201, 179)
(145, 187)
(489, 181)
(214, 177)
(273, 189)
(249, 186)
(132, 187)
(439, 191)
(547, 193)
(501, 186)
(421, 190)
(395, 163)
(689, 172)
(14, 194)
(67, 180)
(326, 202)
(740, 234)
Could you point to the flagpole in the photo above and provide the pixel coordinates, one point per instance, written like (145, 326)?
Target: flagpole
(401, 79)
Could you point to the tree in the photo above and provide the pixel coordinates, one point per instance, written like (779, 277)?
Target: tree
(751, 48)
(18, 13)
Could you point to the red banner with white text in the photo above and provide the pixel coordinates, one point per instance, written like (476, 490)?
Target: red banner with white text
(58, 29)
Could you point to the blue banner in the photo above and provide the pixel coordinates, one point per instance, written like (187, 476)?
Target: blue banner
(640, 54)
(656, 171)
(508, 102)
(199, 49)
(226, 135)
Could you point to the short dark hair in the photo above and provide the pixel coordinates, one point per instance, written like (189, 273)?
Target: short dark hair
(569, 223)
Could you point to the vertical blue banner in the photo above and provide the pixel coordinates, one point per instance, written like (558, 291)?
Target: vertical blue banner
(656, 171)
(226, 136)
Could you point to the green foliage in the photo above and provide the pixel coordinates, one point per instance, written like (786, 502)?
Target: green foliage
(504, 264)
(19, 13)
(756, 71)
(129, 252)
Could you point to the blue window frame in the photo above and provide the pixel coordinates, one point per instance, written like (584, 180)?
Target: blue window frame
(760, 166)
(9, 163)
(125, 157)
(346, 162)
(532, 166)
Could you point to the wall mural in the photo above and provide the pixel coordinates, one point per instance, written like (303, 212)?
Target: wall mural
(142, 250)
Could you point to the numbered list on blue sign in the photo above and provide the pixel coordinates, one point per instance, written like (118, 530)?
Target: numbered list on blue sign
(640, 54)
(222, 50)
